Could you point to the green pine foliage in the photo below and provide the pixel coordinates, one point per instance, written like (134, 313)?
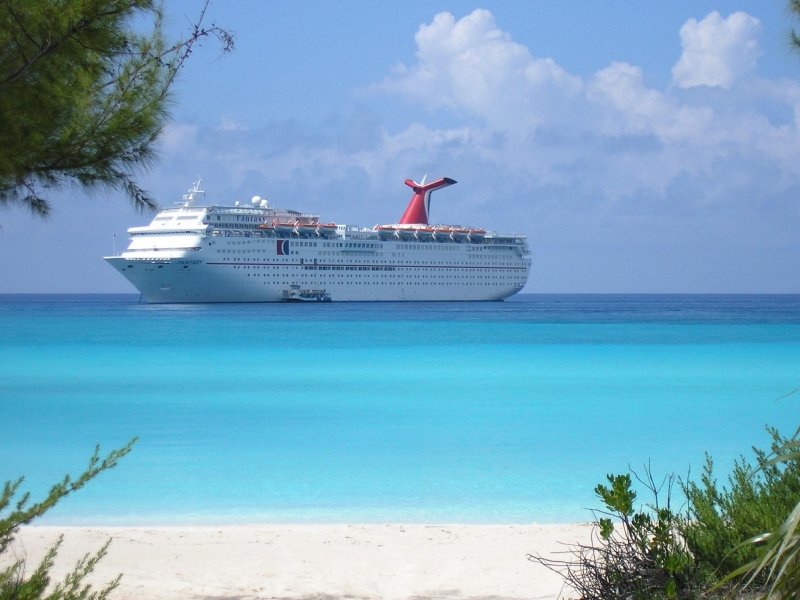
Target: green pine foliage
(84, 94)
(15, 582)
(793, 11)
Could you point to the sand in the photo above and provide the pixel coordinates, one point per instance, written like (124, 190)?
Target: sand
(315, 561)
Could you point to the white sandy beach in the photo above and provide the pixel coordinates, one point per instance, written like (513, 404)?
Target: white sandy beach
(315, 561)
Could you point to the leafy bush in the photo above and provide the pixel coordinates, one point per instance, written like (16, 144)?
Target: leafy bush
(749, 527)
(778, 559)
(642, 557)
(756, 500)
(15, 583)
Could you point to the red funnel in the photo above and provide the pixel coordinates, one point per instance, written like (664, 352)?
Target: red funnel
(419, 207)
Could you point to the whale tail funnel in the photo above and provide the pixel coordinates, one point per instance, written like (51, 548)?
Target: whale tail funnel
(419, 208)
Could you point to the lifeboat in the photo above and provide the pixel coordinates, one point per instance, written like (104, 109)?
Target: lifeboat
(407, 233)
(326, 229)
(459, 234)
(287, 227)
(306, 228)
(267, 226)
(386, 231)
(424, 233)
(477, 234)
(441, 233)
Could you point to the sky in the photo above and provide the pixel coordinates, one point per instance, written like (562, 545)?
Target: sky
(642, 147)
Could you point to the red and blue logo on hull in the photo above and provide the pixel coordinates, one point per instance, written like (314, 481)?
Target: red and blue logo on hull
(283, 247)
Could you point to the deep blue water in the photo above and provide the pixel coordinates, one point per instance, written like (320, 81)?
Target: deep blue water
(499, 412)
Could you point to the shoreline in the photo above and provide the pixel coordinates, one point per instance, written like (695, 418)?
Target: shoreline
(294, 561)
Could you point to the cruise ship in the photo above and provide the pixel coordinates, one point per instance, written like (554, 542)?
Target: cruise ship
(252, 252)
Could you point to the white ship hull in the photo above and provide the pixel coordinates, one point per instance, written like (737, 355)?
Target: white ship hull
(224, 254)
(162, 279)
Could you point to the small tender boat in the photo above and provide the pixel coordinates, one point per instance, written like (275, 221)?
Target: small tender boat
(459, 234)
(267, 226)
(477, 234)
(295, 294)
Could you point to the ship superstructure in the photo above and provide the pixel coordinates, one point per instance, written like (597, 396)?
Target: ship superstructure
(256, 253)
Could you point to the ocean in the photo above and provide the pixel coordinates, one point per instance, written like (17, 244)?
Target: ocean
(507, 412)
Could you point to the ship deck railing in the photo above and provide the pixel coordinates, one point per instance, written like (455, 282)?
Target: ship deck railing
(263, 212)
(515, 240)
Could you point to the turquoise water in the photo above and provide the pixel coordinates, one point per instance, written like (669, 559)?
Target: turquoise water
(490, 413)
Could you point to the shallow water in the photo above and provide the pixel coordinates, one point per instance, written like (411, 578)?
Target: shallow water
(492, 412)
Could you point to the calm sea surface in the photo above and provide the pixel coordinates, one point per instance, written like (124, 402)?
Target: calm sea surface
(484, 413)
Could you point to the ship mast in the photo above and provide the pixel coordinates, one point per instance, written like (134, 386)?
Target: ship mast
(188, 198)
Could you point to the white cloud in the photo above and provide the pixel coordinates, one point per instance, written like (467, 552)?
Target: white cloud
(717, 51)
(476, 69)
(473, 69)
(177, 136)
(526, 120)
(628, 106)
(634, 107)
(228, 124)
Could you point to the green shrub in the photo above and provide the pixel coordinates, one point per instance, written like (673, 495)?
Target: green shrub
(636, 555)
(756, 500)
(655, 552)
